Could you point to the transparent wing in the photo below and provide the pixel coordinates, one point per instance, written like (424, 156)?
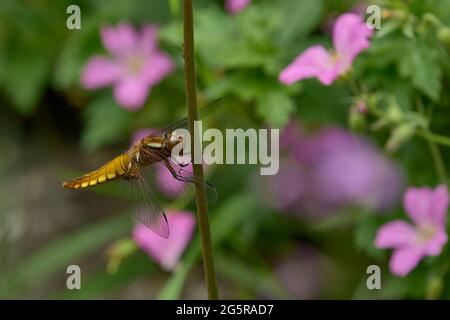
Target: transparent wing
(183, 123)
(182, 178)
(148, 211)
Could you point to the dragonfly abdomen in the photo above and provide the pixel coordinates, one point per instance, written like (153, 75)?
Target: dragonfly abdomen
(113, 170)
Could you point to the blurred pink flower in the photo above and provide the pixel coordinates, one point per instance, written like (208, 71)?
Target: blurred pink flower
(236, 6)
(361, 107)
(167, 184)
(331, 169)
(135, 64)
(350, 36)
(167, 252)
(140, 134)
(304, 272)
(290, 186)
(428, 210)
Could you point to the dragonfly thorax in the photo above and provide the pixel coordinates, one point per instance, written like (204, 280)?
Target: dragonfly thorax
(156, 142)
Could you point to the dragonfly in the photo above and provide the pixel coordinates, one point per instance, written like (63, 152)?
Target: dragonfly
(147, 154)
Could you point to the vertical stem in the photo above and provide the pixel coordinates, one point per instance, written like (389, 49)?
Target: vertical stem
(443, 140)
(434, 150)
(438, 162)
(191, 102)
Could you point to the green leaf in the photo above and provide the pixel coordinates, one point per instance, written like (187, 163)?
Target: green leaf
(388, 27)
(100, 282)
(106, 123)
(174, 285)
(300, 17)
(77, 49)
(365, 232)
(245, 85)
(30, 36)
(255, 279)
(276, 107)
(400, 135)
(58, 254)
(24, 78)
(427, 75)
(321, 104)
(241, 42)
(175, 7)
(172, 34)
(422, 65)
(387, 51)
(158, 12)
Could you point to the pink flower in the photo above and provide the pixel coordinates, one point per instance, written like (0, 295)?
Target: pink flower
(361, 107)
(236, 6)
(167, 184)
(350, 36)
(167, 252)
(305, 265)
(135, 64)
(330, 169)
(428, 210)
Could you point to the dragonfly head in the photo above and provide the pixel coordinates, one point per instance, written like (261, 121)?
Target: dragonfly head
(175, 139)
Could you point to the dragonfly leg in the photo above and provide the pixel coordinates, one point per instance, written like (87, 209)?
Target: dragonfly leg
(174, 173)
(185, 176)
(180, 177)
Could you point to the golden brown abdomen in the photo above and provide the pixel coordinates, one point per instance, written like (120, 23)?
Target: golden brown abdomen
(113, 170)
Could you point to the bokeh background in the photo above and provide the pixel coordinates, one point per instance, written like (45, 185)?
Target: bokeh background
(304, 233)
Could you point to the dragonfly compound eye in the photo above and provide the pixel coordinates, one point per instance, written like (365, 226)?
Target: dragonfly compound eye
(176, 138)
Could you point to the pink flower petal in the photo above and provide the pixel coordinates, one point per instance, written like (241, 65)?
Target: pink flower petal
(167, 252)
(131, 93)
(434, 246)
(157, 66)
(136, 66)
(167, 184)
(416, 202)
(290, 135)
(314, 62)
(350, 36)
(395, 234)
(404, 260)
(148, 40)
(289, 186)
(235, 6)
(100, 72)
(427, 206)
(439, 205)
(120, 40)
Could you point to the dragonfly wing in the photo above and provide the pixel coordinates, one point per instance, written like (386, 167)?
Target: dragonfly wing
(183, 123)
(184, 178)
(148, 211)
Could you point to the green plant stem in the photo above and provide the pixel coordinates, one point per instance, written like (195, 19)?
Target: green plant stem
(434, 137)
(434, 148)
(192, 114)
(438, 162)
(436, 156)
